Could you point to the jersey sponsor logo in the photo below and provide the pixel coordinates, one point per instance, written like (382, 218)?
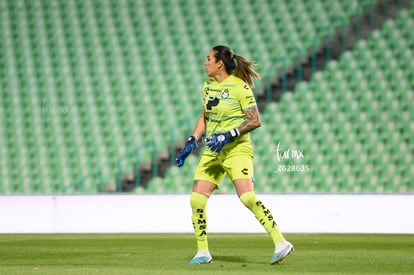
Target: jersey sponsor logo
(207, 90)
(212, 102)
(212, 120)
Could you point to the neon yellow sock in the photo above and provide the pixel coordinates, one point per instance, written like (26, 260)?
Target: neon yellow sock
(198, 205)
(263, 215)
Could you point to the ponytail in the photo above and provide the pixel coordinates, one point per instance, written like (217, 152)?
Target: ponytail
(237, 64)
(245, 70)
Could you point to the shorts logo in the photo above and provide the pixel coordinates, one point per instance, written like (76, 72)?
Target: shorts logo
(245, 171)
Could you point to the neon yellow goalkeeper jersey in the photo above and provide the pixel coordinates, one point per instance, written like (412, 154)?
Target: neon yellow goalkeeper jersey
(224, 104)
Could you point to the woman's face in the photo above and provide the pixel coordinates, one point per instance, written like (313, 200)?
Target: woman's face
(212, 67)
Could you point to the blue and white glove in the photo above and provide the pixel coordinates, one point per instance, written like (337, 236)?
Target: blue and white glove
(217, 141)
(189, 145)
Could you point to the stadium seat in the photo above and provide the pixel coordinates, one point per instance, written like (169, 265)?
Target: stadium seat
(101, 78)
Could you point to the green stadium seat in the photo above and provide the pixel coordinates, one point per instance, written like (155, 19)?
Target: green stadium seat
(106, 64)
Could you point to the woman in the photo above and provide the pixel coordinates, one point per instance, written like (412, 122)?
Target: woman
(228, 116)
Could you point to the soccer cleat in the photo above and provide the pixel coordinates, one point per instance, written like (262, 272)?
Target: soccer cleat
(281, 255)
(201, 260)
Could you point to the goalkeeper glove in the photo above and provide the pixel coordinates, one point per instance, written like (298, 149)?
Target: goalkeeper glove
(189, 145)
(217, 141)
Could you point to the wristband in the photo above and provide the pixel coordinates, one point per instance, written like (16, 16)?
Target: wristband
(234, 132)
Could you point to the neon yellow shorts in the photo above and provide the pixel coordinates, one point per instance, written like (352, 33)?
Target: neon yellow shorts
(213, 167)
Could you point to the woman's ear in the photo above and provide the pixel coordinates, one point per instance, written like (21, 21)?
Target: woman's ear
(220, 64)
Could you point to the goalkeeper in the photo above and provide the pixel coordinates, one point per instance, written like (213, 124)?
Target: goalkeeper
(228, 115)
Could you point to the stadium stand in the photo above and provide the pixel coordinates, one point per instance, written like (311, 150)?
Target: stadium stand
(352, 122)
(86, 85)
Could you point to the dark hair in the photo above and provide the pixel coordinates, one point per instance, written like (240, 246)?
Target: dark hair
(236, 64)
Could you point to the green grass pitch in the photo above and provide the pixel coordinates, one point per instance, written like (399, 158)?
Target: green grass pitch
(232, 254)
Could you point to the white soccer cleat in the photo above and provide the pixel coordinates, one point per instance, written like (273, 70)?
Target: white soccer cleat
(202, 257)
(282, 254)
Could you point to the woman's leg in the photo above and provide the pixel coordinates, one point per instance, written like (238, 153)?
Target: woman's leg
(198, 200)
(245, 191)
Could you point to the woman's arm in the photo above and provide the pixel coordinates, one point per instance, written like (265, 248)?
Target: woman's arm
(200, 127)
(252, 120)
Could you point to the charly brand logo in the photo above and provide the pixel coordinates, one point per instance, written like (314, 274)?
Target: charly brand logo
(53, 109)
(287, 155)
